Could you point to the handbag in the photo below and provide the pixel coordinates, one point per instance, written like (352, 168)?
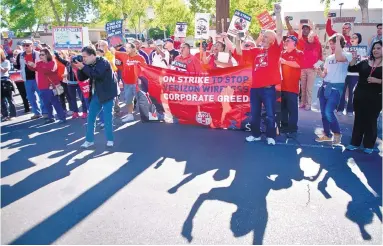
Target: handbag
(57, 89)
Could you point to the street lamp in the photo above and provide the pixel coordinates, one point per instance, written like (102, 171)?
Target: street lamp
(340, 5)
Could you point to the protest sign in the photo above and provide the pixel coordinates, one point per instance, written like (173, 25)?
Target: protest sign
(115, 34)
(202, 22)
(67, 38)
(239, 23)
(360, 52)
(266, 21)
(181, 28)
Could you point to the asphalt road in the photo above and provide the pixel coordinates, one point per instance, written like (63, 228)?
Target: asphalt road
(176, 184)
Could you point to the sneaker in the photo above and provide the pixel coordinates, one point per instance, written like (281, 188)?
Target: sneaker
(337, 139)
(109, 144)
(350, 114)
(308, 108)
(324, 138)
(75, 115)
(128, 118)
(252, 139)
(270, 141)
(84, 115)
(368, 151)
(352, 147)
(69, 113)
(62, 121)
(36, 116)
(339, 113)
(49, 121)
(87, 144)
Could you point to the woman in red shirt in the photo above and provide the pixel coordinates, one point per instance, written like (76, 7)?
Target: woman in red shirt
(48, 79)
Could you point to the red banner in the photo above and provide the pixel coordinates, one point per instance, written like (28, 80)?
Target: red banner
(218, 99)
(266, 21)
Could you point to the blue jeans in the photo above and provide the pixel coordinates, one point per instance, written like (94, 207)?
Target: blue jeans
(73, 90)
(289, 108)
(94, 109)
(267, 96)
(327, 107)
(351, 81)
(31, 88)
(52, 100)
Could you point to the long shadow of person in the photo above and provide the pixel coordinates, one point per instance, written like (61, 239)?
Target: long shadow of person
(341, 168)
(250, 187)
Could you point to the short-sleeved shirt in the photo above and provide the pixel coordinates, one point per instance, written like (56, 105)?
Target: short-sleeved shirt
(266, 65)
(291, 75)
(187, 64)
(129, 66)
(337, 71)
(6, 64)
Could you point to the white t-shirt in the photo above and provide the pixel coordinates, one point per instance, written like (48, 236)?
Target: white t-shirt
(158, 60)
(337, 71)
(6, 64)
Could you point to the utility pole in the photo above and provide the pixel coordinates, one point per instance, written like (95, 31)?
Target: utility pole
(222, 13)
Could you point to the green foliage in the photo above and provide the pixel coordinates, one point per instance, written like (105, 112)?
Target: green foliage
(157, 33)
(326, 6)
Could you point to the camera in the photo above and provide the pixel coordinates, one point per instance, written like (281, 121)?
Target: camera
(204, 45)
(77, 58)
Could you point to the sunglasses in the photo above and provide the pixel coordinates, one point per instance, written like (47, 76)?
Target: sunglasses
(26, 45)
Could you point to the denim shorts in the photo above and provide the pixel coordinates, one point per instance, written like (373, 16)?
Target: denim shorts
(129, 93)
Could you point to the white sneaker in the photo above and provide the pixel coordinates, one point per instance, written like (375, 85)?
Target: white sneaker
(128, 118)
(69, 113)
(350, 114)
(87, 144)
(252, 139)
(270, 141)
(109, 144)
(339, 113)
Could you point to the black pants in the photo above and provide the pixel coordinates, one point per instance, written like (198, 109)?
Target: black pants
(23, 93)
(7, 103)
(64, 95)
(289, 108)
(367, 106)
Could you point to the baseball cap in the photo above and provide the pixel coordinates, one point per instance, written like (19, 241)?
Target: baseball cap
(27, 41)
(306, 25)
(169, 40)
(159, 42)
(292, 37)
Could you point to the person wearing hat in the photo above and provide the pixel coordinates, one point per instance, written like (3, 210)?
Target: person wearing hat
(309, 43)
(291, 60)
(142, 53)
(29, 76)
(173, 53)
(160, 56)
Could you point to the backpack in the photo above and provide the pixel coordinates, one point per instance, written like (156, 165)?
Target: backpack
(6, 86)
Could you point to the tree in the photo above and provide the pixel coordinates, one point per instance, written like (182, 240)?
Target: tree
(169, 12)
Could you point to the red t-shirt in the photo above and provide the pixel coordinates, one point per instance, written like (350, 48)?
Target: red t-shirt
(241, 59)
(29, 58)
(266, 65)
(46, 74)
(129, 66)
(291, 75)
(312, 51)
(331, 32)
(188, 64)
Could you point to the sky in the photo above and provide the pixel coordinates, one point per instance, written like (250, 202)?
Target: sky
(315, 5)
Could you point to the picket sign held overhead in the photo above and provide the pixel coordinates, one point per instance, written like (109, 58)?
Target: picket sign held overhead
(68, 37)
(181, 28)
(239, 23)
(202, 22)
(115, 33)
(266, 21)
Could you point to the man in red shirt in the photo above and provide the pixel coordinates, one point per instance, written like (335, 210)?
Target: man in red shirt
(291, 60)
(186, 62)
(346, 30)
(127, 62)
(266, 75)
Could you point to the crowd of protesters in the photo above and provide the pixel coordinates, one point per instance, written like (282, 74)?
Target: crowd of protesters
(99, 76)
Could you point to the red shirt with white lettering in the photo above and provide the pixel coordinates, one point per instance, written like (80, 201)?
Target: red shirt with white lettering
(187, 64)
(266, 65)
(291, 75)
(129, 66)
(241, 59)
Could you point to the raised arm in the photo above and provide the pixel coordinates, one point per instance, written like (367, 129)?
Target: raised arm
(339, 55)
(329, 29)
(289, 27)
(277, 11)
